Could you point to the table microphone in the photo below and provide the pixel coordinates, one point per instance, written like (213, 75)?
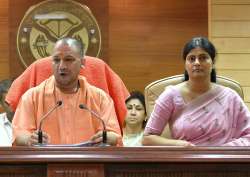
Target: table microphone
(104, 131)
(40, 132)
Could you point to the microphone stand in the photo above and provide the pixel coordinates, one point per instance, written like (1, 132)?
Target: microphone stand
(40, 132)
(104, 131)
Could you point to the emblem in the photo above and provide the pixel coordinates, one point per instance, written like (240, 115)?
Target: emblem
(45, 23)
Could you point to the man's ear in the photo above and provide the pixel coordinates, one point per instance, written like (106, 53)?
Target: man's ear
(82, 63)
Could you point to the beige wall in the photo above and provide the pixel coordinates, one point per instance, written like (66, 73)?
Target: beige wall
(229, 29)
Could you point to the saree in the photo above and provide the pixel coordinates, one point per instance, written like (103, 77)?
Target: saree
(218, 117)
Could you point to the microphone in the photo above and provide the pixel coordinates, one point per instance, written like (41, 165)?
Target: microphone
(40, 132)
(104, 131)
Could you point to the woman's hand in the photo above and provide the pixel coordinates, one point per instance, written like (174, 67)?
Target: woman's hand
(183, 143)
(156, 140)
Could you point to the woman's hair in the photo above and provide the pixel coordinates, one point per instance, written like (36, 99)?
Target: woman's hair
(140, 96)
(206, 45)
(4, 87)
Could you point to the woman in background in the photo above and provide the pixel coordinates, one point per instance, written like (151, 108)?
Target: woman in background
(199, 111)
(135, 119)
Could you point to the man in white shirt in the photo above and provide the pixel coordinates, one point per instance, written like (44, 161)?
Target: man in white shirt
(5, 117)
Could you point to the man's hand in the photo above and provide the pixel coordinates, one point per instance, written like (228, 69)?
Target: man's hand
(111, 138)
(33, 139)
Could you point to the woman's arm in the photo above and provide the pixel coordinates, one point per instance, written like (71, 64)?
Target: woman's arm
(163, 111)
(156, 140)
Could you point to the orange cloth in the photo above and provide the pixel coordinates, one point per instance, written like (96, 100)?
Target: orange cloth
(97, 73)
(68, 124)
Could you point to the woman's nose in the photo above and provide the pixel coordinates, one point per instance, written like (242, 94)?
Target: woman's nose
(197, 61)
(133, 111)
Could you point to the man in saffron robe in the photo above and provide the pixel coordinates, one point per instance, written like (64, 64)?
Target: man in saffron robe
(97, 73)
(67, 124)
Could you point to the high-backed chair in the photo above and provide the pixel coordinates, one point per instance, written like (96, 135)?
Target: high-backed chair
(154, 89)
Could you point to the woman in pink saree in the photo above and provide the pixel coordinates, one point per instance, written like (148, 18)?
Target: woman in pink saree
(199, 111)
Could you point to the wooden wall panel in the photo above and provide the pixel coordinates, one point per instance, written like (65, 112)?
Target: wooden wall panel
(242, 76)
(15, 16)
(232, 45)
(4, 70)
(146, 37)
(231, 2)
(22, 170)
(100, 11)
(230, 12)
(75, 170)
(229, 29)
(4, 39)
(142, 40)
(233, 61)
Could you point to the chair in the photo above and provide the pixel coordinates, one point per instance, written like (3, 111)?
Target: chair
(154, 89)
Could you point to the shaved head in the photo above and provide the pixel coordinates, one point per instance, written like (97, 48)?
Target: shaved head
(72, 43)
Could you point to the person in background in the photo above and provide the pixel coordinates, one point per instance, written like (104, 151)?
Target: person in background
(6, 116)
(135, 120)
(199, 111)
(67, 124)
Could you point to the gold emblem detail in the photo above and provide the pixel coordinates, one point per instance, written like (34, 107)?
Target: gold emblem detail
(48, 21)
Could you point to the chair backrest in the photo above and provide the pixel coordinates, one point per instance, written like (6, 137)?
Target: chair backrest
(154, 89)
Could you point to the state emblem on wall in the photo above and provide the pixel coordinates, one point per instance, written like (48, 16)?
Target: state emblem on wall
(46, 22)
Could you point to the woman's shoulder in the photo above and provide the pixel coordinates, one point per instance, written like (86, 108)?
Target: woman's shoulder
(227, 91)
(171, 92)
(175, 90)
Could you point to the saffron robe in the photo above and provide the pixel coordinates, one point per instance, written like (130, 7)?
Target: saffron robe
(97, 73)
(67, 124)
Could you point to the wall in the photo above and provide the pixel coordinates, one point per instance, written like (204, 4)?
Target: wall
(142, 39)
(16, 14)
(4, 40)
(146, 37)
(229, 29)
